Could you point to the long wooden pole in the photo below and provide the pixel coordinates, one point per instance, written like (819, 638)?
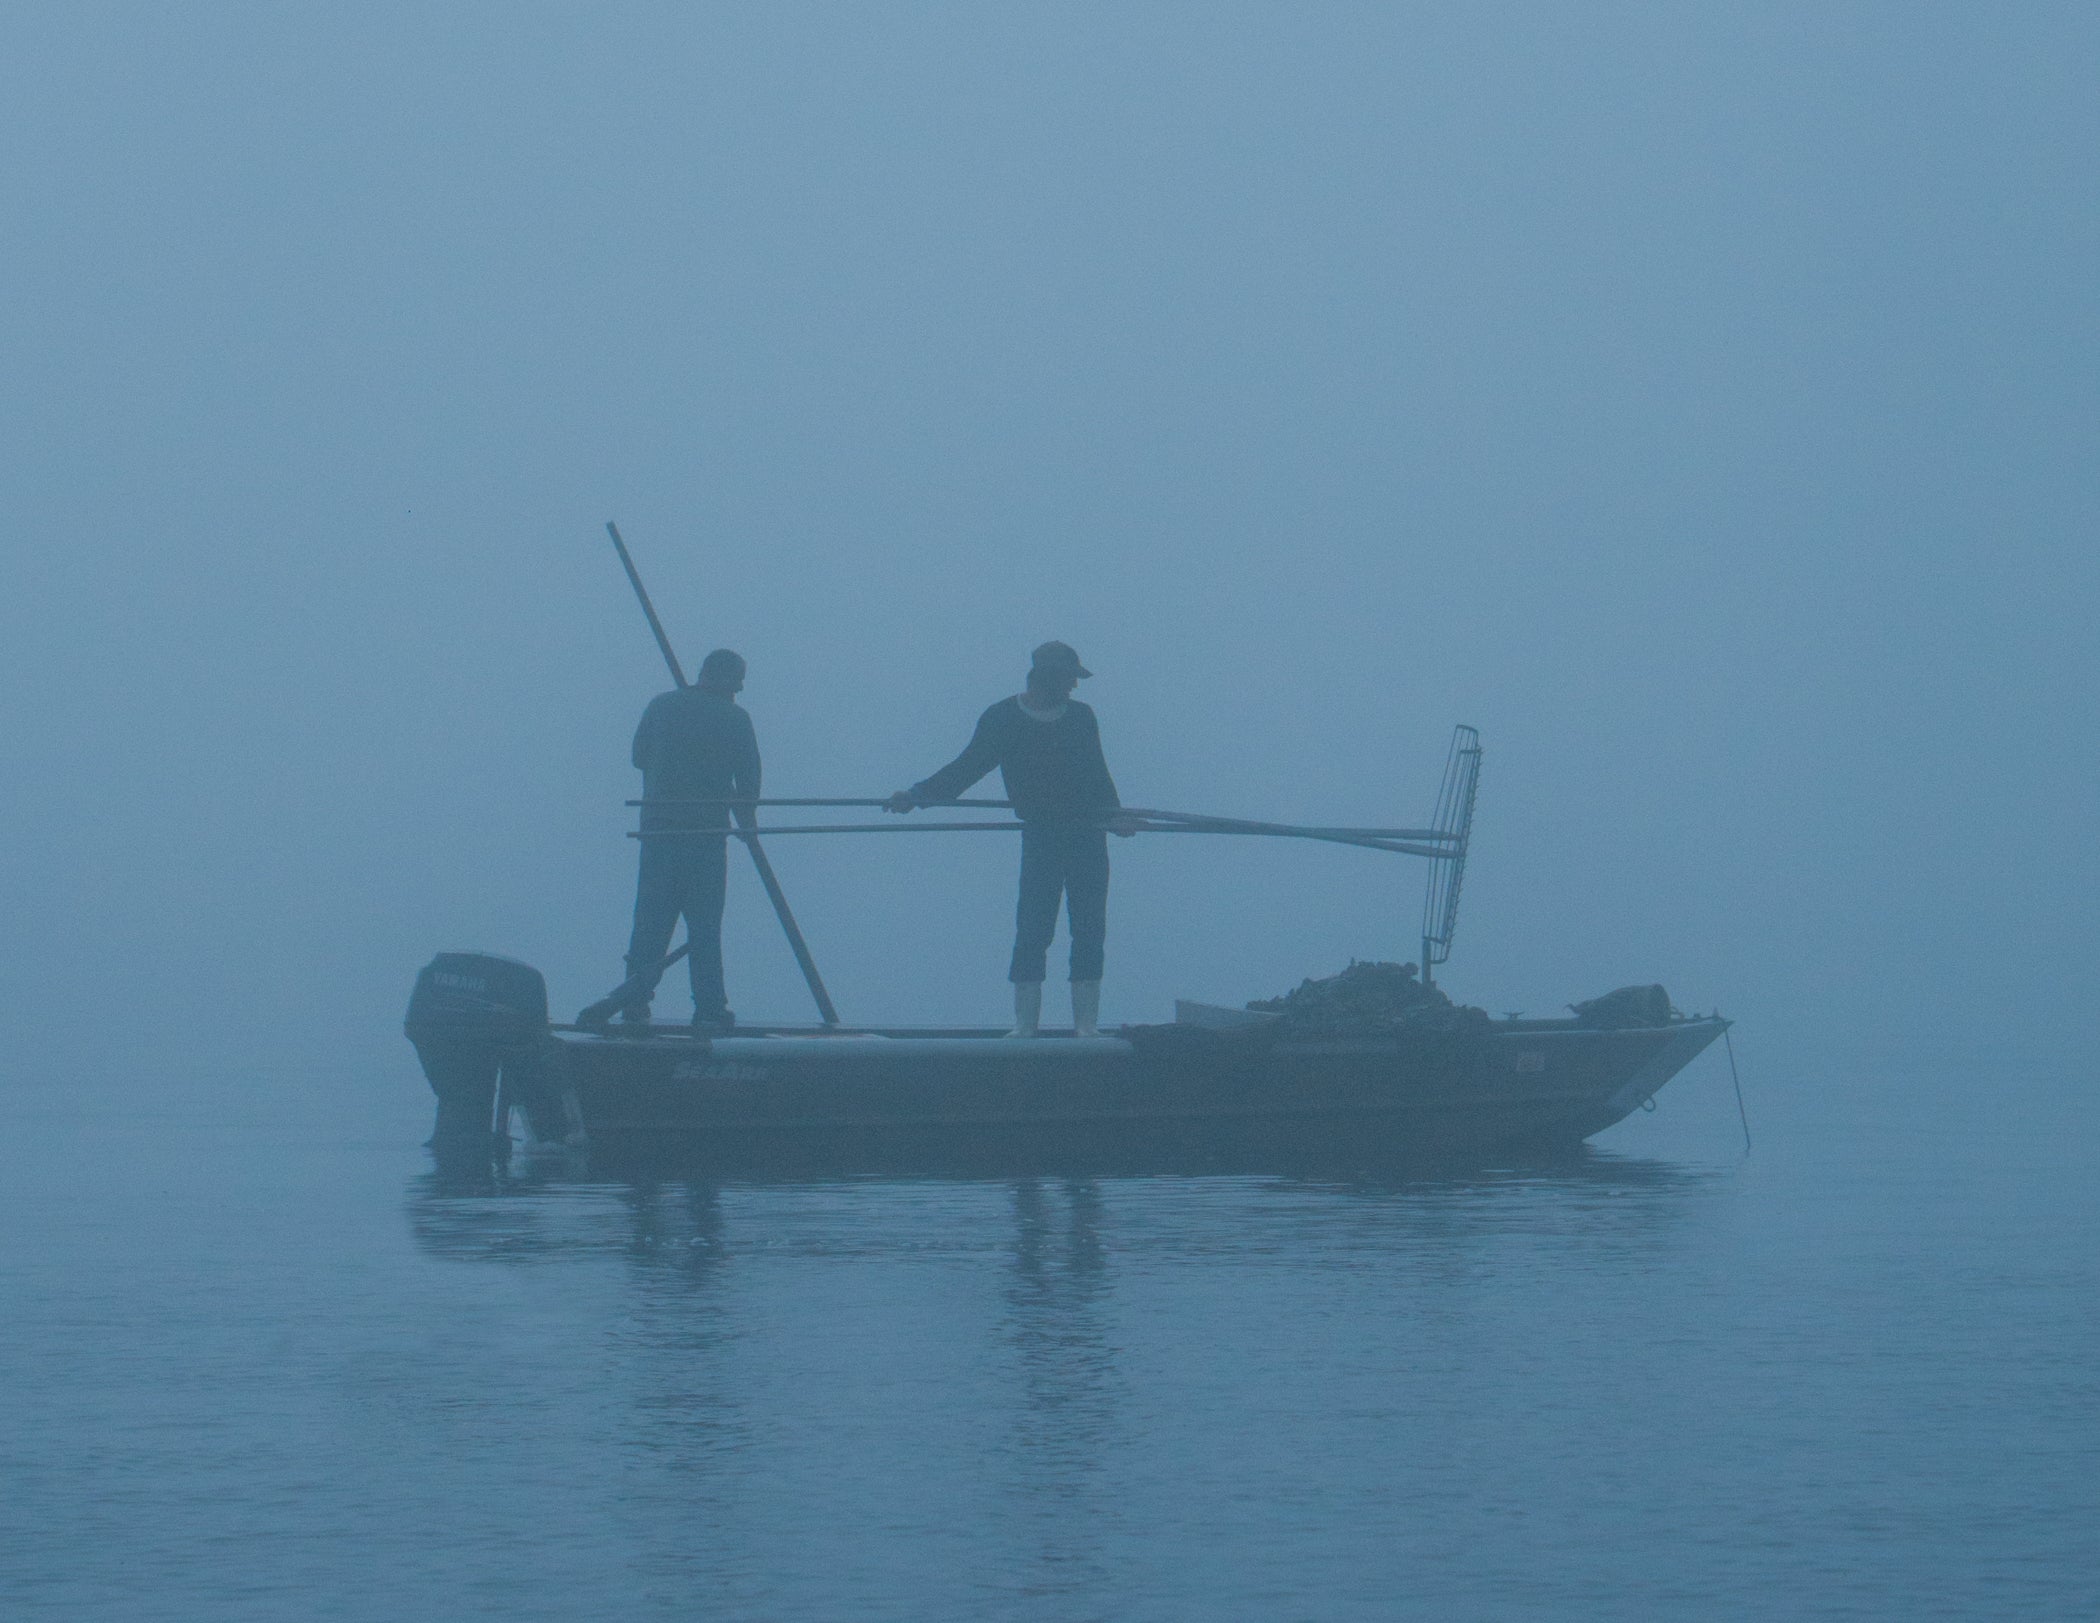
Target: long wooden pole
(759, 860)
(601, 1013)
(778, 898)
(642, 593)
(1196, 822)
(1332, 836)
(1187, 822)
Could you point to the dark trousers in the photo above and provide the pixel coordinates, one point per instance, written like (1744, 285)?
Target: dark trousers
(681, 874)
(1068, 862)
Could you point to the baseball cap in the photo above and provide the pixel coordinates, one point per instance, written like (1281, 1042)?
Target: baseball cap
(1058, 656)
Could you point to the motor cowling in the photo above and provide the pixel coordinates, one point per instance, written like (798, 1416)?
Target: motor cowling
(474, 1016)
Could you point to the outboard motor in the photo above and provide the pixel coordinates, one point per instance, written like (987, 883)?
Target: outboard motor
(472, 1017)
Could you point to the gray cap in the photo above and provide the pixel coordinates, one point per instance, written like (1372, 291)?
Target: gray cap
(1058, 656)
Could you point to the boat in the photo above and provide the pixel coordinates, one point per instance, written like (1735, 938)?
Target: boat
(1424, 1080)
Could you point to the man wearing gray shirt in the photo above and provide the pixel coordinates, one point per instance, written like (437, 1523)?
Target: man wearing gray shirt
(695, 745)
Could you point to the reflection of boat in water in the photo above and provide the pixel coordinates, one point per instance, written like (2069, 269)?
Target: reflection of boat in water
(560, 1204)
(1420, 1080)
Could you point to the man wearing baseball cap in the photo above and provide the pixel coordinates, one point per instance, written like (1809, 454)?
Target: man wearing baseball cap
(1047, 747)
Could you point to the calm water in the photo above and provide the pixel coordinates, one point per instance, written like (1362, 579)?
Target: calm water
(262, 1362)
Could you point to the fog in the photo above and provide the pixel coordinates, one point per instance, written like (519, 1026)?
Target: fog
(1698, 400)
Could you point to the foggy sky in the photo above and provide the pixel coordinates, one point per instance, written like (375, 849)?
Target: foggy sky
(1698, 400)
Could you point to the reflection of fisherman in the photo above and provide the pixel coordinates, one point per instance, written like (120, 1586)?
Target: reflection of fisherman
(1048, 748)
(694, 744)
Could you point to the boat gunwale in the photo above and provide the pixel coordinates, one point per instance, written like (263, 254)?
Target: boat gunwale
(810, 1041)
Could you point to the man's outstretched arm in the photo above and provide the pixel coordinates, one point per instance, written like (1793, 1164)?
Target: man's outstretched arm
(979, 756)
(1104, 790)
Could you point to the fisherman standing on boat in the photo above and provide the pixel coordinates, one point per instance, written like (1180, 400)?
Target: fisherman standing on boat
(695, 745)
(1047, 747)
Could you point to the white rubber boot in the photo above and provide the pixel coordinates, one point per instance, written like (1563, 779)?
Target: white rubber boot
(1086, 1008)
(1028, 1008)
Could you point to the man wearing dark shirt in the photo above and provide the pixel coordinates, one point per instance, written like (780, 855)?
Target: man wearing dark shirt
(1047, 747)
(695, 744)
